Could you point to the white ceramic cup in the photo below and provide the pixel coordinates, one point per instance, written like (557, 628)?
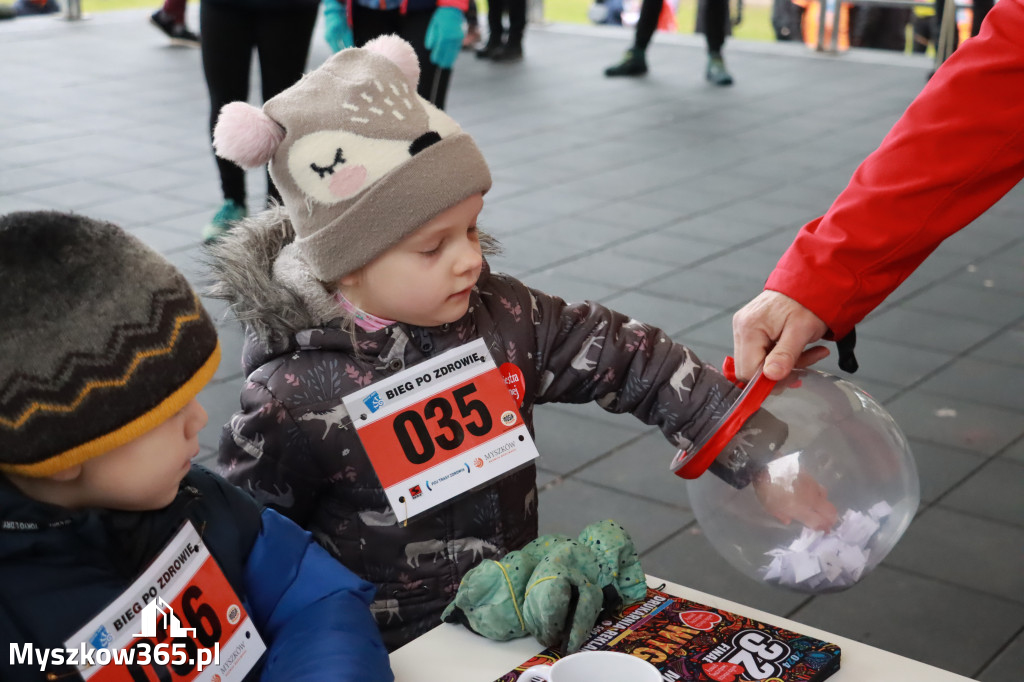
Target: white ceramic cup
(594, 666)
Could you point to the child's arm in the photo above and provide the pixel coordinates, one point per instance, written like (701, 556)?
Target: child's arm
(313, 612)
(587, 352)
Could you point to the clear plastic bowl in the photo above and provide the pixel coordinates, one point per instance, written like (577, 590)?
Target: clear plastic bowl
(840, 437)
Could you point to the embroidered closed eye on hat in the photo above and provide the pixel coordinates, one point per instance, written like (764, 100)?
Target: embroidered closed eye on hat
(361, 161)
(102, 340)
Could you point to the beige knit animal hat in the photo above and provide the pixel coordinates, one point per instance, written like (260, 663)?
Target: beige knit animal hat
(360, 159)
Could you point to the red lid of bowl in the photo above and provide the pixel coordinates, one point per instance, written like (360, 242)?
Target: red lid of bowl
(695, 461)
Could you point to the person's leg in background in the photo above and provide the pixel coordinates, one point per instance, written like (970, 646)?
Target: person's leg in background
(495, 29)
(715, 23)
(634, 62)
(512, 50)
(434, 80)
(228, 38)
(978, 14)
(472, 27)
(282, 43)
(170, 19)
(368, 24)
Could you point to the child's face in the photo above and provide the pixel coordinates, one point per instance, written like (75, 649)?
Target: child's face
(140, 475)
(426, 278)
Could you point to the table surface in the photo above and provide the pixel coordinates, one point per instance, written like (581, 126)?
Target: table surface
(454, 654)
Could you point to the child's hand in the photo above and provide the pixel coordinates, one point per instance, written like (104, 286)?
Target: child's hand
(798, 497)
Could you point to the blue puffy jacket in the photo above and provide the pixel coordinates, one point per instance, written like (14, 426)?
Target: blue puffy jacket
(59, 568)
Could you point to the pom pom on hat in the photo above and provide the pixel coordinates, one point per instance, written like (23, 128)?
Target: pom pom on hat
(401, 53)
(245, 135)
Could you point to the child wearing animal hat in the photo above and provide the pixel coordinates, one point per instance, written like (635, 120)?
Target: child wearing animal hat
(373, 265)
(112, 543)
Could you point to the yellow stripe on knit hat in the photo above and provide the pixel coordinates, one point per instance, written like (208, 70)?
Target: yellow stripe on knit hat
(127, 433)
(32, 409)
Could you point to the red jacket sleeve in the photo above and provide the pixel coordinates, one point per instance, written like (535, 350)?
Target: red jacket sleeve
(957, 149)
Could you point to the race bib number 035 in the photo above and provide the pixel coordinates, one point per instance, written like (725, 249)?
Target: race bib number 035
(440, 428)
(180, 620)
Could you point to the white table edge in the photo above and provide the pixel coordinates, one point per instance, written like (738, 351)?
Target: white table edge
(454, 654)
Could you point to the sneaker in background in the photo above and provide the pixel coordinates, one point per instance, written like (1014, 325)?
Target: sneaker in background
(717, 72)
(633, 63)
(509, 52)
(178, 34)
(223, 220)
(492, 48)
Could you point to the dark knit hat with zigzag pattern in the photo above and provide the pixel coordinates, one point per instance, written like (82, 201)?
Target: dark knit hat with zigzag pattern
(101, 341)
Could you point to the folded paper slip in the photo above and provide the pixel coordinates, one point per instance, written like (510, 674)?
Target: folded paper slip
(690, 641)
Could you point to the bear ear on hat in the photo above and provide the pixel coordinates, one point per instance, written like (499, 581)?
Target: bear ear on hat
(245, 135)
(401, 53)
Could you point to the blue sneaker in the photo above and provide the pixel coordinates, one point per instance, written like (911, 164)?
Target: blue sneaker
(222, 220)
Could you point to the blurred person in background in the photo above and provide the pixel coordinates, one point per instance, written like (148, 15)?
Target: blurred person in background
(280, 32)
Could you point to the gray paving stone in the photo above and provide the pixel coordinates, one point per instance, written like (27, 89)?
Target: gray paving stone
(618, 269)
(966, 550)
(955, 422)
(631, 214)
(221, 402)
(667, 247)
(991, 306)
(76, 195)
(640, 468)
(980, 381)
(703, 285)
(668, 314)
(568, 506)
(1006, 348)
(995, 491)
(928, 330)
(231, 343)
(889, 362)
(1015, 451)
(584, 234)
(524, 253)
(941, 468)
(721, 227)
(917, 617)
(568, 441)
(1007, 665)
(162, 239)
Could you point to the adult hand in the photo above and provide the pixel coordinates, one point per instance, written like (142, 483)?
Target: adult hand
(775, 329)
(337, 32)
(444, 36)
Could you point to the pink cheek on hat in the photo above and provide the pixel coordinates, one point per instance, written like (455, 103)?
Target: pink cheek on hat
(347, 181)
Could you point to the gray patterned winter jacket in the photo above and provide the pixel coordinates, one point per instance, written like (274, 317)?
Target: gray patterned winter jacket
(293, 445)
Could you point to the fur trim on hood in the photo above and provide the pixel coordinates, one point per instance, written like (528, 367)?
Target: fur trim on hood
(244, 272)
